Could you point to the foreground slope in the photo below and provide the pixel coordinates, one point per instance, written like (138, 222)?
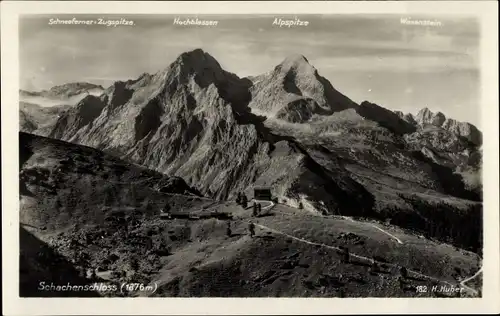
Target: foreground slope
(56, 177)
(298, 255)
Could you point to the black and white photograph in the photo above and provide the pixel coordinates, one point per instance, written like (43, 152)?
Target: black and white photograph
(250, 156)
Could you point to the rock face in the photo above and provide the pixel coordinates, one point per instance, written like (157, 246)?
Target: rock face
(288, 129)
(449, 143)
(463, 129)
(294, 91)
(75, 118)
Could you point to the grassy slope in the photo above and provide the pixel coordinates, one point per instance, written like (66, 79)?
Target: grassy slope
(274, 265)
(196, 258)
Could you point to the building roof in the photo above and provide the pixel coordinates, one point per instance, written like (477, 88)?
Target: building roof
(261, 187)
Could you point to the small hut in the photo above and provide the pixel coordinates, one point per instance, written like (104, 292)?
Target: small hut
(262, 193)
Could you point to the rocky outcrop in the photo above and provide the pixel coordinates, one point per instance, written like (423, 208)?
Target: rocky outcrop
(78, 117)
(464, 129)
(426, 117)
(40, 263)
(299, 111)
(449, 143)
(408, 117)
(117, 95)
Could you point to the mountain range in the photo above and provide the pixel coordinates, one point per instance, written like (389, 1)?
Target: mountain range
(98, 164)
(288, 129)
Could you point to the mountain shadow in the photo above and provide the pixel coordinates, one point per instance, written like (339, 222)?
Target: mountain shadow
(444, 222)
(451, 182)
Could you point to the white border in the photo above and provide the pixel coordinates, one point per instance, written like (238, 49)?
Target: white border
(487, 11)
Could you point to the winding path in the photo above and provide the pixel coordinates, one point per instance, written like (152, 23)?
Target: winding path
(471, 290)
(271, 204)
(462, 283)
(375, 226)
(387, 233)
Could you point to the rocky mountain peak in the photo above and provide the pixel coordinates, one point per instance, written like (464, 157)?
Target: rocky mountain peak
(294, 91)
(118, 94)
(424, 116)
(194, 65)
(424, 110)
(74, 88)
(89, 108)
(438, 119)
(193, 120)
(295, 62)
(297, 68)
(197, 61)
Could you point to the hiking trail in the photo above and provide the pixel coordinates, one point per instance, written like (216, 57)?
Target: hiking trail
(475, 292)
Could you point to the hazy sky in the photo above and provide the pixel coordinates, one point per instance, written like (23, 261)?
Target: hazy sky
(375, 58)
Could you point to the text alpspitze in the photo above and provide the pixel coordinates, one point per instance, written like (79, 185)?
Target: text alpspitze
(290, 23)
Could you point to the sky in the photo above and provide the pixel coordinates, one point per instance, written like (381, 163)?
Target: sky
(366, 57)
